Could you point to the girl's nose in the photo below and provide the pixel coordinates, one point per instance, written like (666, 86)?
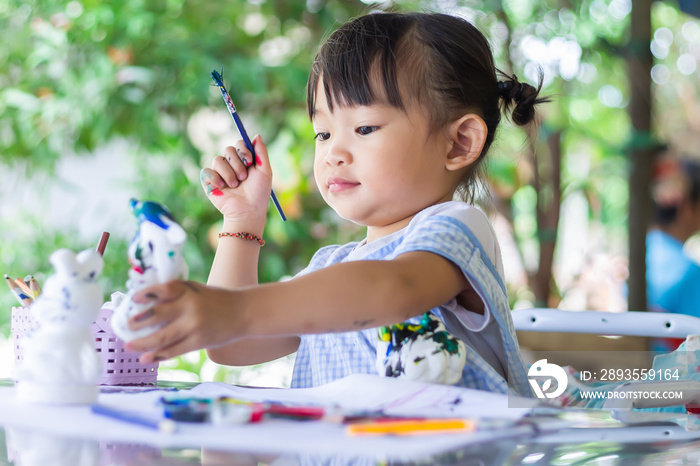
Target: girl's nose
(338, 154)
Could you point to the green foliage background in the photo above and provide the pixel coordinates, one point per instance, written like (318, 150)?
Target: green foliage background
(76, 75)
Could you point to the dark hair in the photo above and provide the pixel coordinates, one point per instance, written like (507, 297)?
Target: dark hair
(441, 61)
(666, 213)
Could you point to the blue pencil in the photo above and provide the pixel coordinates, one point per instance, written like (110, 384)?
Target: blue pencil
(167, 426)
(219, 80)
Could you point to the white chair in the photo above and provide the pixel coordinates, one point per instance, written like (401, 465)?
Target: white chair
(641, 324)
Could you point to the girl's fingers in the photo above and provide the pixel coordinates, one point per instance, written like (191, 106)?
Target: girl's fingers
(173, 307)
(242, 153)
(231, 168)
(164, 293)
(211, 180)
(157, 341)
(225, 171)
(262, 160)
(235, 157)
(161, 354)
(144, 319)
(169, 341)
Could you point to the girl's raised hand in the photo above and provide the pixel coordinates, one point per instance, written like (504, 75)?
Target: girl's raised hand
(236, 187)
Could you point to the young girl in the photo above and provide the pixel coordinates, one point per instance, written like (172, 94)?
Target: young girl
(404, 107)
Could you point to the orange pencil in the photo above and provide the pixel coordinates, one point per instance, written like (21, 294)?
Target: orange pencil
(412, 427)
(23, 286)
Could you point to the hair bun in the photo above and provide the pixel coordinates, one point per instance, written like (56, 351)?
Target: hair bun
(523, 95)
(506, 89)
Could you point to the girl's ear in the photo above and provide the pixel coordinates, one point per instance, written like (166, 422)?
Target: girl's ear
(468, 135)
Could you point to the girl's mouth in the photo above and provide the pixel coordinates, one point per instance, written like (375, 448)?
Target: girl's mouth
(336, 184)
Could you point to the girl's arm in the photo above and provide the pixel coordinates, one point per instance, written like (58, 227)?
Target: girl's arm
(241, 195)
(236, 265)
(343, 297)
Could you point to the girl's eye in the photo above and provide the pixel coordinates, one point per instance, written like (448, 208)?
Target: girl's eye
(365, 130)
(322, 136)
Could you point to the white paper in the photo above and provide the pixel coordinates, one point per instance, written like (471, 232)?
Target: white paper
(393, 396)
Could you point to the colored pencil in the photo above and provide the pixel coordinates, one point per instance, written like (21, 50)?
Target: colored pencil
(103, 243)
(166, 426)
(411, 427)
(219, 80)
(23, 286)
(34, 287)
(23, 299)
(309, 413)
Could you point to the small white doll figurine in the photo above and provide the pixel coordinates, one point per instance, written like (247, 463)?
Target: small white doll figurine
(425, 352)
(155, 255)
(60, 362)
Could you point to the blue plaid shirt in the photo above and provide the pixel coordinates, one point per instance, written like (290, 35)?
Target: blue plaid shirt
(323, 358)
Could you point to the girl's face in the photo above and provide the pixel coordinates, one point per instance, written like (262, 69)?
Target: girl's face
(377, 165)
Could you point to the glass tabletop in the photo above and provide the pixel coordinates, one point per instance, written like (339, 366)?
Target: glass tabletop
(586, 446)
(18, 446)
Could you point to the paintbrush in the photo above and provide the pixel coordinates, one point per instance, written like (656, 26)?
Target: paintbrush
(219, 80)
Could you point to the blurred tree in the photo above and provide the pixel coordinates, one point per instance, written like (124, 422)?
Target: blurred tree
(597, 64)
(641, 151)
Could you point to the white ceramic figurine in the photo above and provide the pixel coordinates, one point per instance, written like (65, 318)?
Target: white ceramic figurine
(155, 255)
(60, 362)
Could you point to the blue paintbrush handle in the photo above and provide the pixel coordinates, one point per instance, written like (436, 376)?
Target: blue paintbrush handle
(134, 417)
(218, 79)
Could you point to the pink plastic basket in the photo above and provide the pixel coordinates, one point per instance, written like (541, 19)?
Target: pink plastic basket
(119, 367)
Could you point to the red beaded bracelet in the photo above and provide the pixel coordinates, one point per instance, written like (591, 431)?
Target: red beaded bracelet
(246, 236)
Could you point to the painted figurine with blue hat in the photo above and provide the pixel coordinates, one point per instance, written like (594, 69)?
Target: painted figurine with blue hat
(155, 255)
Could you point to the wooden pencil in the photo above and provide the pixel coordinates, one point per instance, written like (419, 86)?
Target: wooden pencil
(23, 299)
(34, 287)
(103, 243)
(23, 286)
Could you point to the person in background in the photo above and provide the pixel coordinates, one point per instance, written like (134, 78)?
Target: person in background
(673, 277)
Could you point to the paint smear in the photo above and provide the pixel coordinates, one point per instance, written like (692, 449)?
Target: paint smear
(217, 192)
